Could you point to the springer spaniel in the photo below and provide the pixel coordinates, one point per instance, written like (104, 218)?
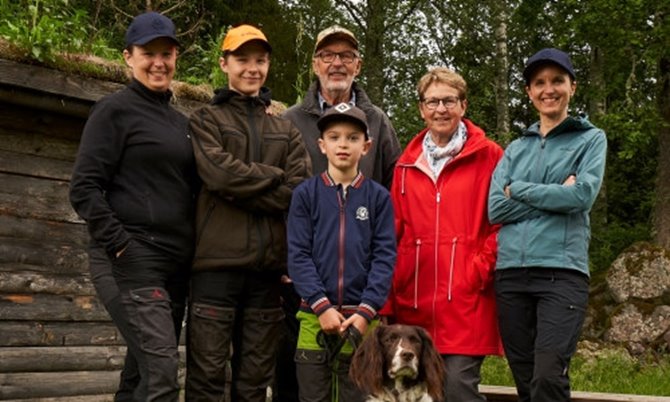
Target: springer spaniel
(398, 363)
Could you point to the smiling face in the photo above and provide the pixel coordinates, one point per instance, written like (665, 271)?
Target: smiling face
(550, 89)
(247, 68)
(442, 121)
(344, 144)
(153, 64)
(336, 77)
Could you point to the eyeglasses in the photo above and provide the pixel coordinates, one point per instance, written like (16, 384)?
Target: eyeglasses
(329, 57)
(449, 102)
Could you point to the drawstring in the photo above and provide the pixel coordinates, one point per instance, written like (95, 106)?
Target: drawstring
(451, 265)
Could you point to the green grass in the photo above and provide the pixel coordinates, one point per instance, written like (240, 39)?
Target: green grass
(612, 372)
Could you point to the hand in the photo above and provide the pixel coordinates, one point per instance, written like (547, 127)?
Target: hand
(570, 181)
(507, 192)
(357, 321)
(120, 252)
(330, 321)
(285, 279)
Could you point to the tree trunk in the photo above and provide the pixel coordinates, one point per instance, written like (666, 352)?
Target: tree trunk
(373, 42)
(662, 207)
(596, 108)
(502, 71)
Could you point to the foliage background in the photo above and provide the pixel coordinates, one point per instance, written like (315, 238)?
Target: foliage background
(619, 48)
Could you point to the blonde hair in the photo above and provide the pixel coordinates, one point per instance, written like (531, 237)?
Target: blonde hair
(442, 75)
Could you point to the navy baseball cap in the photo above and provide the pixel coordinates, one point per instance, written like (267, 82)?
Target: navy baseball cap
(344, 112)
(548, 56)
(149, 26)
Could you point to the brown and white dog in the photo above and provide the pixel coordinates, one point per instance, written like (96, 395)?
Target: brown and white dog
(398, 363)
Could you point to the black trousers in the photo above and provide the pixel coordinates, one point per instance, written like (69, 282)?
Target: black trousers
(145, 295)
(540, 316)
(238, 310)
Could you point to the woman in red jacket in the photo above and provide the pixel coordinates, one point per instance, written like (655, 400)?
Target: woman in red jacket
(446, 245)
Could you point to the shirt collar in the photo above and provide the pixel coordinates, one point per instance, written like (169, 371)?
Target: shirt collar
(323, 105)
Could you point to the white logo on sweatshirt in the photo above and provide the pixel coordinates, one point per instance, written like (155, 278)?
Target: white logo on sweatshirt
(362, 214)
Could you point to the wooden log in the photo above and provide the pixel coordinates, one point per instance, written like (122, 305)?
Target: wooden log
(43, 231)
(17, 282)
(62, 358)
(20, 139)
(43, 307)
(60, 384)
(54, 359)
(34, 166)
(57, 258)
(34, 333)
(44, 385)
(28, 197)
(78, 398)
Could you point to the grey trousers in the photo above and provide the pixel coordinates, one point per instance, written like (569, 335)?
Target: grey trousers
(462, 378)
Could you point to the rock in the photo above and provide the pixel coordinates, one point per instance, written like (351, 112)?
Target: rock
(630, 324)
(640, 272)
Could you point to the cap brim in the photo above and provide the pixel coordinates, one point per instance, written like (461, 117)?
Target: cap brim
(530, 69)
(336, 36)
(149, 38)
(325, 121)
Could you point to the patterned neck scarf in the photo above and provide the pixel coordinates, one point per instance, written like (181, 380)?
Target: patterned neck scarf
(438, 157)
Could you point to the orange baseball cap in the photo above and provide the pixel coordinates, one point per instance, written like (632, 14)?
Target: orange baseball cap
(242, 34)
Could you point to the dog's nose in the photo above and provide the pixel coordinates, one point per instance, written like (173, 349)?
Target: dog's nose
(407, 355)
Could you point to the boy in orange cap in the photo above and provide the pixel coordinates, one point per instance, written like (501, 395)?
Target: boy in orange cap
(249, 162)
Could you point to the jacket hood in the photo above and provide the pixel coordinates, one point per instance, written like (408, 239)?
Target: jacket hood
(476, 140)
(569, 125)
(224, 95)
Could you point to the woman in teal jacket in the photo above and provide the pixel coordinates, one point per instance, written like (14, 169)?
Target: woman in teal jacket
(541, 192)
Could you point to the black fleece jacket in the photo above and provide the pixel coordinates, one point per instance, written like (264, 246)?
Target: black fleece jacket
(135, 176)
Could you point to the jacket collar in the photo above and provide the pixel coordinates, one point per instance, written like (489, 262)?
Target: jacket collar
(569, 125)
(225, 95)
(311, 104)
(329, 182)
(414, 150)
(153, 96)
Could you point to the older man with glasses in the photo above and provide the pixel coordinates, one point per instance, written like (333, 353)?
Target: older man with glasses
(336, 64)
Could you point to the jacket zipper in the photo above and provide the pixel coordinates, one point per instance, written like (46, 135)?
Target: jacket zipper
(436, 243)
(255, 156)
(416, 273)
(340, 268)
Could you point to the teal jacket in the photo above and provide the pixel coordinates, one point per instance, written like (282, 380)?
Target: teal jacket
(546, 223)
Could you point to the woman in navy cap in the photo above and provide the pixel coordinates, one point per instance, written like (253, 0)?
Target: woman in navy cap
(541, 192)
(133, 183)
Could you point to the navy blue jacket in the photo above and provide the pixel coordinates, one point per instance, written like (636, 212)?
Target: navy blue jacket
(341, 251)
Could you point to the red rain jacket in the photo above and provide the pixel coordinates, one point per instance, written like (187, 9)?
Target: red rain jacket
(443, 279)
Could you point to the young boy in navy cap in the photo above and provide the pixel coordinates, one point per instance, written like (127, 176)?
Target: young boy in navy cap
(342, 249)
(249, 162)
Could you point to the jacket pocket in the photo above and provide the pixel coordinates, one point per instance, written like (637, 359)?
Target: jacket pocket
(224, 232)
(406, 277)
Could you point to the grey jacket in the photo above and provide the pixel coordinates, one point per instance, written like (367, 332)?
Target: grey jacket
(378, 163)
(544, 223)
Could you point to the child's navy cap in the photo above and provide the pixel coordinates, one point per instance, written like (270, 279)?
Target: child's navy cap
(344, 112)
(548, 55)
(149, 26)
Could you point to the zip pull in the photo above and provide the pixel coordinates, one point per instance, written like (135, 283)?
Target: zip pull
(438, 197)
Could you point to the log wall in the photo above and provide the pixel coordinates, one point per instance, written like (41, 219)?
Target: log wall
(56, 339)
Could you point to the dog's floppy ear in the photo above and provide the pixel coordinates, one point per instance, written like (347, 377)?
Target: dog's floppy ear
(432, 366)
(367, 364)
